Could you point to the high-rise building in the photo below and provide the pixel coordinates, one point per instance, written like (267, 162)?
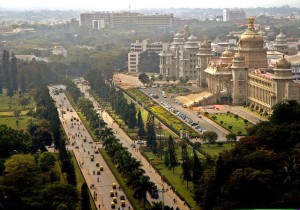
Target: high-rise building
(116, 19)
(237, 16)
(137, 48)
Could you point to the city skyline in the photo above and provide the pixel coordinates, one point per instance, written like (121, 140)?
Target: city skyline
(132, 5)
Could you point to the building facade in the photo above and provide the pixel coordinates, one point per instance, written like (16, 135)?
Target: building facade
(137, 48)
(112, 20)
(237, 16)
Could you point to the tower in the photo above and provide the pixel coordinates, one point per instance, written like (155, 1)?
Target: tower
(282, 81)
(239, 79)
(251, 46)
(203, 57)
(281, 43)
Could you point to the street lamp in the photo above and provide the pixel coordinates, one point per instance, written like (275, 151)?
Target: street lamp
(100, 117)
(162, 197)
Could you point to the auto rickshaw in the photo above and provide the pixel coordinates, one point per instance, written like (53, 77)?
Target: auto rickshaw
(115, 200)
(97, 164)
(112, 205)
(123, 203)
(101, 168)
(112, 193)
(114, 185)
(92, 157)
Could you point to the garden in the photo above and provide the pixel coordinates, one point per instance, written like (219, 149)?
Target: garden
(232, 122)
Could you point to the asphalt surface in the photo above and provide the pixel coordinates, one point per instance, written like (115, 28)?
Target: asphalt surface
(165, 193)
(204, 122)
(100, 185)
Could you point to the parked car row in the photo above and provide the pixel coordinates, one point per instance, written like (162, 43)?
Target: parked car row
(189, 121)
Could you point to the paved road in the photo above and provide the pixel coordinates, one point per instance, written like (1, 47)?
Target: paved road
(204, 122)
(169, 195)
(76, 133)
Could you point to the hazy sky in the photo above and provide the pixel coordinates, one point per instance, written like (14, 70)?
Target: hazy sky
(137, 4)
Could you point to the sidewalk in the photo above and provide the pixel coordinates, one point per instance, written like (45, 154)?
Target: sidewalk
(169, 195)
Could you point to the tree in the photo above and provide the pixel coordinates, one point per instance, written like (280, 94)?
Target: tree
(140, 124)
(13, 141)
(151, 136)
(186, 173)
(46, 161)
(197, 170)
(85, 197)
(143, 77)
(59, 193)
(231, 137)
(14, 72)
(20, 171)
(23, 83)
(210, 136)
(131, 116)
(41, 138)
(172, 153)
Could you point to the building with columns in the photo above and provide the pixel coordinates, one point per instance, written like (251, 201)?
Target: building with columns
(237, 77)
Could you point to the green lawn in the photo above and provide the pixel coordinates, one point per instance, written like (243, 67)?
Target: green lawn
(178, 90)
(174, 178)
(215, 149)
(7, 103)
(238, 124)
(11, 122)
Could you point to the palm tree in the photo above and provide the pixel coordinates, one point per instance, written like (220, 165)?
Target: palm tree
(141, 186)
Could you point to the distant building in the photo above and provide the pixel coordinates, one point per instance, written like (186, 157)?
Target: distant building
(111, 20)
(237, 16)
(139, 47)
(58, 49)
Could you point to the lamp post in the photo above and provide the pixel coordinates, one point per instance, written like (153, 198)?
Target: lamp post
(162, 197)
(100, 117)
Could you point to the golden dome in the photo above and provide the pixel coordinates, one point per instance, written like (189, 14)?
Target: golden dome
(282, 63)
(250, 35)
(227, 53)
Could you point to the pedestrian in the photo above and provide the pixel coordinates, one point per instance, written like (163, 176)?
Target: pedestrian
(99, 206)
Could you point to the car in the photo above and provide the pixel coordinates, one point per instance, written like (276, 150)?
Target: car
(184, 105)
(96, 151)
(90, 142)
(154, 86)
(194, 124)
(139, 142)
(122, 197)
(199, 115)
(71, 110)
(143, 87)
(165, 96)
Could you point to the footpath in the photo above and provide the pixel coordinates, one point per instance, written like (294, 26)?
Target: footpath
(168, 196)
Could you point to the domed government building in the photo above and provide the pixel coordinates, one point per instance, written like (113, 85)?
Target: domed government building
(237, 77)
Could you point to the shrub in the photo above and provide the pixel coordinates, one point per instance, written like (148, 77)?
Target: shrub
(198, 144)
(228, 112)
(245, 121)
(221, 122)
(214, 117)
(230, 127)
(220, 144)
(239, 132)
(236, 116)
